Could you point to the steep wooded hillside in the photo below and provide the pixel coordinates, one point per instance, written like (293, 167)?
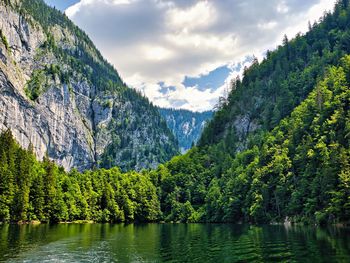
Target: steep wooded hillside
(272, 88)
(278, 149)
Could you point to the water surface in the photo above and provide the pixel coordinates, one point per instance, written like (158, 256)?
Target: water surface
(172, 243)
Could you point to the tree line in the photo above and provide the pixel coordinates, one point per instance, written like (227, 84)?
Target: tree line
(33, 190)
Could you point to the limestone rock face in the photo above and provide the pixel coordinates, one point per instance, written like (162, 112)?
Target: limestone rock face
(72, 119)
(51, 124)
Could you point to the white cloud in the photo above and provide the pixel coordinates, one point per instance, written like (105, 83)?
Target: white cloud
(152, 41)
(267, 25)
(200, 15)
(74, 9)
(157, 53)
(282, 7)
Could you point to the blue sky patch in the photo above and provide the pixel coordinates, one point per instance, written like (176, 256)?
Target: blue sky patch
(213, 80)
(61, 5)
(165, 89)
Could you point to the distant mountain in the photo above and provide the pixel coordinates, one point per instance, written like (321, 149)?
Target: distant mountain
(186, 125)
(59, 94)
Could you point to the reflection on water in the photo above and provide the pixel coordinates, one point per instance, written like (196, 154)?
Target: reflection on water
(172, 243)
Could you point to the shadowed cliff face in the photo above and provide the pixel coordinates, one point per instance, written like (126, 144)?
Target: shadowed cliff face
(61, 96)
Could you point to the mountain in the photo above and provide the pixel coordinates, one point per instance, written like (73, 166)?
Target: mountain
(186, 125)
(276, 150)
(270, 90)
(60, 95)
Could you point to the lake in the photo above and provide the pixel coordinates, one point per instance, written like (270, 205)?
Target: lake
(173, 243)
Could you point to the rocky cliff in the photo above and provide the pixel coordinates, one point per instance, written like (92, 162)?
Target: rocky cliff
(61, 96)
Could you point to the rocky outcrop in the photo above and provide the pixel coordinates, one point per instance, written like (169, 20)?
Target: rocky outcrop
(51, 124)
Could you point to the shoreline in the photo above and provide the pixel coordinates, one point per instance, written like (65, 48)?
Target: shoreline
(286, 224)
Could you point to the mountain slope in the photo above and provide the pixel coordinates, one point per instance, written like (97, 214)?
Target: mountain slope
(245, 170)
(270, 90)
(59, 94)
(297, 172)
(186, 125)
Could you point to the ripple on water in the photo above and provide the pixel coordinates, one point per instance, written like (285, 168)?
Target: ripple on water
(173, 243)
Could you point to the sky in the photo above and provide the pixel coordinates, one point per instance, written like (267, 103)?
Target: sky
(183, 53)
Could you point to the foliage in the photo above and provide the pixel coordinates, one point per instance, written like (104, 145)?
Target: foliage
(299, 171)
(32, 190)
(270, 90)
(4, 40)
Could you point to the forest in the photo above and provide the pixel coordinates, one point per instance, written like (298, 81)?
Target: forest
(294, 166)
(32, 190)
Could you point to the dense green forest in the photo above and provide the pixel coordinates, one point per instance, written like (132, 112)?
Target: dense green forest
(270, 90)
(294, 165)
(32, 190)
(230, 176)
(299, 170)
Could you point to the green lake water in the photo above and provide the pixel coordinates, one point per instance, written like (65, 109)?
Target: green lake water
(172, 243)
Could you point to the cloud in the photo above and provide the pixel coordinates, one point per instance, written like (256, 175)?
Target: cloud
(199, 16)
(155, 44)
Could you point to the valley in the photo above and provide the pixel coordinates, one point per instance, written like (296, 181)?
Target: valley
(78, 145)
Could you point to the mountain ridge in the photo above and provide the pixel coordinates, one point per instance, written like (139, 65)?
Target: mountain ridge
(74, 105)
